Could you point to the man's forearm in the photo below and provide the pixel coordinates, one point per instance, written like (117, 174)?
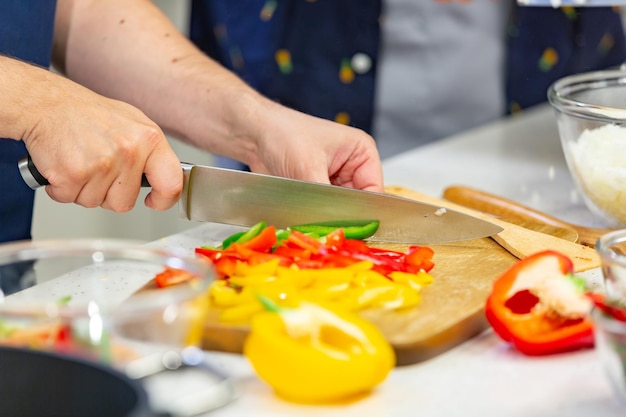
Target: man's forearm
(130, 50)
(22, 87)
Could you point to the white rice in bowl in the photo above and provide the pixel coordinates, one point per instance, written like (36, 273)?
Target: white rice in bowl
(599, 159)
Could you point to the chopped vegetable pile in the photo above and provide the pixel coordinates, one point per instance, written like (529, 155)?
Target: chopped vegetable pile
(315, 263)
(298, 288)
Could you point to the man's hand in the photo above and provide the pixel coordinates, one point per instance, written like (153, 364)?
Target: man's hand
(296, 145)
(93, 150)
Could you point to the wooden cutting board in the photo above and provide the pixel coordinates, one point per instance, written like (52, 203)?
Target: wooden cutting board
(451, 310)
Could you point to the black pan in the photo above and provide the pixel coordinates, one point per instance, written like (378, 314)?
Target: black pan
(36, 383)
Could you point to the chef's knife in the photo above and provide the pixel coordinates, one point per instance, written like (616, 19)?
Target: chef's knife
(243, 198)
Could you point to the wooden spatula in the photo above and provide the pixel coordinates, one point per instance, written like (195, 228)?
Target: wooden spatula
(518, 240)
(500, 206)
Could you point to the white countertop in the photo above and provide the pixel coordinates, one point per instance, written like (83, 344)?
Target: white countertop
(521, 159)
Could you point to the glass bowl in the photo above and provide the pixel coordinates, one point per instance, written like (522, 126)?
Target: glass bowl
(612, 250)
(609, 316)
(97, 300)
(610, 341)
(590, 112)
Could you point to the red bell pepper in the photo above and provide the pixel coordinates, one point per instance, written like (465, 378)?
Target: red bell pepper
(536, 306)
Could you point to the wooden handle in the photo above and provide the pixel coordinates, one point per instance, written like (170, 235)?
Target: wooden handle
(498, 206)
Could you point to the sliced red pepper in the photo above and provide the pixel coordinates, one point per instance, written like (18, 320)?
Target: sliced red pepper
(296, 254)
(388, 253)
(172, 276)
(208, 252)
(385, 261)
(244, 236)
(509, 310)
(225, 266)
(336, 238)
(251, 256)
(263, 242)
(306, 242)
(421, 257)
(356, 246)
(338, 260)
(64, 342)
(223, 261)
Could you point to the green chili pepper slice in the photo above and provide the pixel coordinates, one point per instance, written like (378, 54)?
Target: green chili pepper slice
(352, 229)
(246, 235)
(281, 236)
(232, 239)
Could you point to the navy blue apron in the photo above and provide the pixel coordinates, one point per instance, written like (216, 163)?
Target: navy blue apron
(26, 31)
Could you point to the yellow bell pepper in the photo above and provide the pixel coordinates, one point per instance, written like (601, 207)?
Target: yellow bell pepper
(313, 355)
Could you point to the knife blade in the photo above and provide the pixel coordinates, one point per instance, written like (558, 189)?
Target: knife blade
(242, 198)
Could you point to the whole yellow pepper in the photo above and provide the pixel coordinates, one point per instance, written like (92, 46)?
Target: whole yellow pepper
(313, 355)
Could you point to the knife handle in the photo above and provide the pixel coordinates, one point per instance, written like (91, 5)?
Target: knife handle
(33, 178)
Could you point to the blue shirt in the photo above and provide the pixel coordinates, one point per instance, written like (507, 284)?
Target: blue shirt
(26, 33)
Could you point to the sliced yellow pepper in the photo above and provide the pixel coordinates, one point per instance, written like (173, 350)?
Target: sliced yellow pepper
(314, 355)
(354, 288)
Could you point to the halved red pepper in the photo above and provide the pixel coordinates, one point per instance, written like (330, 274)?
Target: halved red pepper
(531, 306)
